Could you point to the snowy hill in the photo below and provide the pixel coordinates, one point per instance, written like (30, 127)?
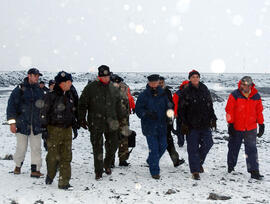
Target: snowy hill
(134, 184)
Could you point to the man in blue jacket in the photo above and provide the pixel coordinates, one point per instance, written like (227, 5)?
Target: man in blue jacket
(23, 111)
(151, 107)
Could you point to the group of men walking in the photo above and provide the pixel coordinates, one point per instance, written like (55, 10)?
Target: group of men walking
(104, 108)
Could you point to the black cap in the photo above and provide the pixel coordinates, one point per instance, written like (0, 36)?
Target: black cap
(104, 70)
(153, 77)
(117, 79)
(62, 77)
(161, 78)
(192, 73)
(51, 82)
(34, 71)
(41, 82)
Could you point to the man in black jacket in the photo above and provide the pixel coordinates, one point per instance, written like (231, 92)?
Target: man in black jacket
(197, 115)
(58, 117)
(170, 148)
(23, 112)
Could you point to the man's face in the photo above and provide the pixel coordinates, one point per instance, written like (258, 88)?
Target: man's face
(153, 84)
(41, 85)
(105, 79)
(33, 78)
(195, 79)
(161, 83)
(65, 86)
(245, 88)
(51, 86)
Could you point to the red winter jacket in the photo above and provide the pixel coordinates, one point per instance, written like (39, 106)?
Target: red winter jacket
(244, 112)
(131, 101)
(176, 96)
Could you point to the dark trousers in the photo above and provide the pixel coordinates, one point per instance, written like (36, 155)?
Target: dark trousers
(171, 148)
(199, 142)
(111, 145)
(157, 145)
(234, 145)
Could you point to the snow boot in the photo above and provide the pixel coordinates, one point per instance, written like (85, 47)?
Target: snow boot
(256, 175)
(34, 172)
(17, 170)
(156, 177)
(108, 171)
(48, 180)
(196, 176)
(66, 187)
(98, 176)
(230, 169)
(123, 163)
(201, 169)
(179, 162)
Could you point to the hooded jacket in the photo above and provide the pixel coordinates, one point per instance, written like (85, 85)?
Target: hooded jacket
(176, 97)
(244, 112)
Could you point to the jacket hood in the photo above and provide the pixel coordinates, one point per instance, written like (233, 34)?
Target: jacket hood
(183, 84)
(253, 89)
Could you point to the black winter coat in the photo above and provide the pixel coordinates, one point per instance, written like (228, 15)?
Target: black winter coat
(196, 107)
(59, 109)
(24, 106)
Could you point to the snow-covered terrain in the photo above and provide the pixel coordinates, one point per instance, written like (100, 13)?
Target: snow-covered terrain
(134, 184)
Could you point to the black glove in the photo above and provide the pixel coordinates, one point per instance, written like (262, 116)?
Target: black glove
(84, 124)
(75, 132)
(213, 125)
(151, 115)
(184, 129)
(230, 129)
(261, 130)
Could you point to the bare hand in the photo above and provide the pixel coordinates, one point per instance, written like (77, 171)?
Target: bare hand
(13, 128)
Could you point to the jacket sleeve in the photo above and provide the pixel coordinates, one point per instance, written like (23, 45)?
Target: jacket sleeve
(83, 104)
(175, 102)
(13, 103)
(45, 110)
(182, 108)
(230, 109)
(131, 101)
(140, 106)
(210, 101)
(259, 110)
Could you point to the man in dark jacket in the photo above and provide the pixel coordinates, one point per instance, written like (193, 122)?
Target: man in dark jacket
(23, 112)
(151, 107)
(58, 117)
(197, 115)
(243, 112)
(170, 148)
(106, 113)
(43, 87)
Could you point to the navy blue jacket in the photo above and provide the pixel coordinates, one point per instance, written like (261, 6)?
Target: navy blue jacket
(155, 103)
(24, 106)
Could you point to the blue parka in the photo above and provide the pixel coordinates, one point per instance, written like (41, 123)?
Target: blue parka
(159, 104)
(24, 106)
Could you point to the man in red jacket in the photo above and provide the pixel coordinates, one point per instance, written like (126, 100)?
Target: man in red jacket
(243, 112)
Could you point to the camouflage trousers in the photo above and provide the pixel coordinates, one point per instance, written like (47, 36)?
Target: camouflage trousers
(123, 153)
(59, 153)
(111, 144)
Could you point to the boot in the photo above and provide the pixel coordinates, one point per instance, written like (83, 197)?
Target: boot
(196, 176)
(230, 169)
(98, 176)
(179, 162)
(256, 175)
(201, 169)
(108, 171)
(17, 170)
(123, 163)
(48, 180)
(34, 172)
(66, 187)
(156, 176)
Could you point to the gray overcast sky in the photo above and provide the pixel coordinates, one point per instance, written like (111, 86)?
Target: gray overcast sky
(136, 35)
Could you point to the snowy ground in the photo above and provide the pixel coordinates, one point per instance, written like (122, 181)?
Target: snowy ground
(134, 184)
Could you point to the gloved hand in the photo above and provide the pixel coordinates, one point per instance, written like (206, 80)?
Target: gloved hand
(151, 115)
(261, 130)
(184, 129)
(213, 125)
(75, 132)
(230, 129)
(84, 124)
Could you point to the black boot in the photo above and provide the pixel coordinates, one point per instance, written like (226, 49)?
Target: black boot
(256, 175)
(179, 162)
(123, 163)
(48, 180)
(34, 172)
(230, 169)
